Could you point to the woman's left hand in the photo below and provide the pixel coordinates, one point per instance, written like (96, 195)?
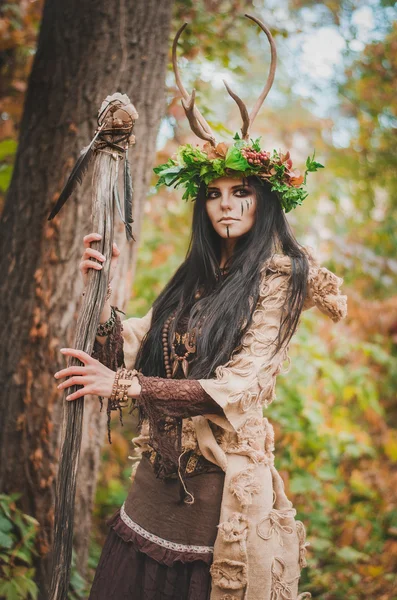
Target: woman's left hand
(93, 376)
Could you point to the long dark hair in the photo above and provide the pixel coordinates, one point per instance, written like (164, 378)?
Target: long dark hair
(225, 306)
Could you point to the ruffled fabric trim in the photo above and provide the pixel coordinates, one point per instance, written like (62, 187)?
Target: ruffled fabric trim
(162, 551)
(323, 289)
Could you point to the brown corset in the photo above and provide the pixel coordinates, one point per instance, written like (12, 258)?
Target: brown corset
(165, 402)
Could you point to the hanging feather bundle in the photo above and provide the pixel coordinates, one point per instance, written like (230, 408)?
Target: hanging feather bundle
(111, 121)
(127, 216)
(128, 194)
(76, 176)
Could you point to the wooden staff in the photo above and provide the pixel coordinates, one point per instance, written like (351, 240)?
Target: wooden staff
(109, 146)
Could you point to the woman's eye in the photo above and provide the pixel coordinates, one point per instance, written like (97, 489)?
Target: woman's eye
(239, 193)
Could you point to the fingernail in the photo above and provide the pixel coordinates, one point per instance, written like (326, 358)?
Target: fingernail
(58, 386)
(63, 350)
(56, 375)
(103, 257)
(98, 235)
(67, 397)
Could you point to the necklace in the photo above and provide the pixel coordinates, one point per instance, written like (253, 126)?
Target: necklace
(189, 341)
(168, 370)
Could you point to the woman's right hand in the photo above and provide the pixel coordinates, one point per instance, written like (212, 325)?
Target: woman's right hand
(89, 253)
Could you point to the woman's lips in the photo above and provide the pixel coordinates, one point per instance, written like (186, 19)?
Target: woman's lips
(228, 220)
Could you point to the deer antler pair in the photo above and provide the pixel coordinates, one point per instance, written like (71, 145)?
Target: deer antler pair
(198, 124)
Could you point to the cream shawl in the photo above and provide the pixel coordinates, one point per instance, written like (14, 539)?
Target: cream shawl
(260, 547)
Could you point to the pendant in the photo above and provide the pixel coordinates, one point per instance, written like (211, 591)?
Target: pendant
(190, 343)
(185, 366)
(175, 366)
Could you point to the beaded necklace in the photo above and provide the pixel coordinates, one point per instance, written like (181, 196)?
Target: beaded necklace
(188, 339)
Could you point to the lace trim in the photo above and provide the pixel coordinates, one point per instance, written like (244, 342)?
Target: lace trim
(160, 541)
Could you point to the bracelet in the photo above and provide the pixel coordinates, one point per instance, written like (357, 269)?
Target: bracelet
(122, 382)
(107, 327)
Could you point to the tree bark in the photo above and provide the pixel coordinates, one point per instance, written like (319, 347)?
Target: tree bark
(85, 52)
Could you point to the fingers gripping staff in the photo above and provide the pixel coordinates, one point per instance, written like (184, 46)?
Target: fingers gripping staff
(92, 378)
(110, 144)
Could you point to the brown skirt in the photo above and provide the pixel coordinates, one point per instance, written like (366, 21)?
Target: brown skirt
(126, 573)
(134, 567)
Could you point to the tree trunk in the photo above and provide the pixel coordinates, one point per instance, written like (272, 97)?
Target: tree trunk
(85, 52)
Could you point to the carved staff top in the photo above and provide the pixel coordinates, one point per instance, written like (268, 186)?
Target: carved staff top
(116, 120)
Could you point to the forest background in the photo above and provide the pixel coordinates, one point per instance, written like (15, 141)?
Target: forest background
(335, 415)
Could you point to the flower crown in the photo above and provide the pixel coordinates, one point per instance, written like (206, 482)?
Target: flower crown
(193, 166)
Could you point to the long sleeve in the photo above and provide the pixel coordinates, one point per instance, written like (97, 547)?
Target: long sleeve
(324, 290)
(133, 332)
(172, 397)
(247, 381)
(182, 398)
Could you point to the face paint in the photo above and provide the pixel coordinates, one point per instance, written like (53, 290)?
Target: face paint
(223, 198)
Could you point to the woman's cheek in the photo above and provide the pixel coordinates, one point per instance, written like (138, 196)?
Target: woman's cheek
(211, 215)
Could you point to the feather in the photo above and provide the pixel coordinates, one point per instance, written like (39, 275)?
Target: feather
(76, 176)
(128, 192)
(116, 194)
(117, 200)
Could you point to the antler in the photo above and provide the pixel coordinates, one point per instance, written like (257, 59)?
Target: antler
(198, 124)
(248, 120)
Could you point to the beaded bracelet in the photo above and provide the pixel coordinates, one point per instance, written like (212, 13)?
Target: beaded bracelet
(122, 382)
(107, 327)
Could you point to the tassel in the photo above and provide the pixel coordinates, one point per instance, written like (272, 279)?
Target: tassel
(184, 493)
(128, 190)
(76, 176)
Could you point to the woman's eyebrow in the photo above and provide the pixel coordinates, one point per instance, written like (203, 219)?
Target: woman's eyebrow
(241, 185)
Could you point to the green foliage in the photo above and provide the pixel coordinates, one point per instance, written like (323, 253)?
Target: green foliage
(17, 538)
(78, 587)
(8, 148)
(18, 535)
(329, 451)
(193, 167)
(213, 29)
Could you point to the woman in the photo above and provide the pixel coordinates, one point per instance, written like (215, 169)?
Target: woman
(207, 515)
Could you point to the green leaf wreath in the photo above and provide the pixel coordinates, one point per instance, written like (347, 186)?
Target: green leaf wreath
(193, 166)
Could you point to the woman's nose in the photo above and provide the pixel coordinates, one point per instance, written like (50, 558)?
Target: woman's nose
(226, 200)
